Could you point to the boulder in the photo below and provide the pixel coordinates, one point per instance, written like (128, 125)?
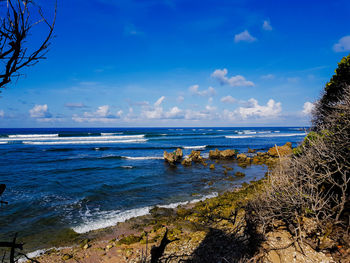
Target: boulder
(212, 166)
(214, 154)
(186, 162)
(282, 151)
(173, 157)
(241, 156)
(227, 154)
(239, 174)
(195, 156)
(251, 150)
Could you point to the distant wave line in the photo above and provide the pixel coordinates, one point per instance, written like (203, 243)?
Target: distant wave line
(264, 136)
(84, 142)
(32, 135)
(82, 138)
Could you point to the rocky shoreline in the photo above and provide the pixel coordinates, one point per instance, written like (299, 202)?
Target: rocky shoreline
(194, 231)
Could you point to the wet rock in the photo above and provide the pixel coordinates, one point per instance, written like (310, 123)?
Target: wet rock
(241, 156)
(212, 166)
(186, 162)
(174, 157)
(228, 168)
(196, 157)
(251, 150)
(227, 154)
(214, 154)
(282, 151)
(239, 174)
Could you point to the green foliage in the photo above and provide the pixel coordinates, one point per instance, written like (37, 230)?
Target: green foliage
(334, 93)
(311, 137)
(336, 85)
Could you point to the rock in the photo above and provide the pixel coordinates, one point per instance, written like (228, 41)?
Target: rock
(86, 246)
(212, 166)
(195, 156)
(227, 154)
(251, 150)
(214, 154)
(241, 156)
(186, 162)
(228, 168)
(173, 157)
(284, 150)
(66, 257)
(239, 174)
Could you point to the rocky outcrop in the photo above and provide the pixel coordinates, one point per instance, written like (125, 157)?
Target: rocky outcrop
(281, 151)
(243, 160)
(196, 157)
(214, 154)
(186, 162)
(225, 154)
(174, 157)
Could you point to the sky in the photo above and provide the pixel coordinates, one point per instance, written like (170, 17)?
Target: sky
(161, 63)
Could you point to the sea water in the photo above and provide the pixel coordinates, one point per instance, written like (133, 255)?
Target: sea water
(91, 178)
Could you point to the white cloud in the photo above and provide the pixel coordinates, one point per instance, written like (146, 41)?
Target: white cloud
(267, 26)
(228, 99)
(307, 108)
(271, 110)
(342, 45)
(195, 90)
(174, 113)
(235, 81)
(268, 77)
(196, 115)
(159, 101)
(102, 114)
(40, 111)
(2, 114)
(244, 36)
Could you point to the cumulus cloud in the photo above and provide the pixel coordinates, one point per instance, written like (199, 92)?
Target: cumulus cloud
(102, 114)
(267, 26)
(235, 81)
(308, 108)
(2, 114)
(244, 36)
(271, 110)
(342, 45)
(72, 106)
(40, 111)
(228, 99)
(208, 92)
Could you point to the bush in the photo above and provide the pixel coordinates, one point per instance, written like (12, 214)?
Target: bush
(314, 184)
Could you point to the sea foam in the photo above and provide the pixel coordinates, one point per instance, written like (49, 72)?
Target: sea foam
(110, 218)
(195, 147)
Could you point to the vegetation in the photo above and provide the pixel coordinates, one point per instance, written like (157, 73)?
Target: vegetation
(314, 184)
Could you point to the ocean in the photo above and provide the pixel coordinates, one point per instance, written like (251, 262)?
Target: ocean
(89, 178)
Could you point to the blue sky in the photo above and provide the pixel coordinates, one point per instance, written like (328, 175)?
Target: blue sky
(133, 63)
